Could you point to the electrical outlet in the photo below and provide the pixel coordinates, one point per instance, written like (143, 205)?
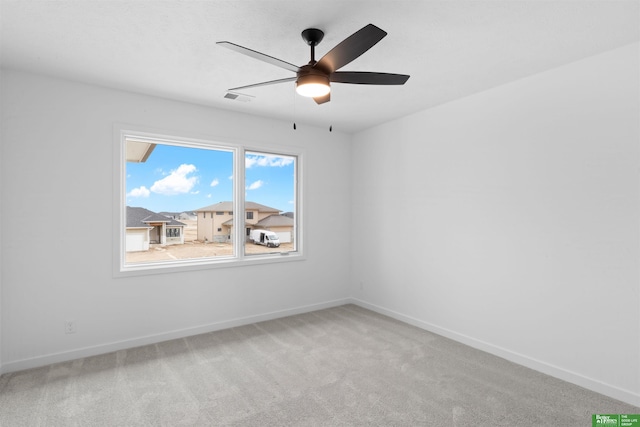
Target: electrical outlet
(70, 327)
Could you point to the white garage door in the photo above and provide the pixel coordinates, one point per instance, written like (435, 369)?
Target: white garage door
(135, 241)
(284, 236)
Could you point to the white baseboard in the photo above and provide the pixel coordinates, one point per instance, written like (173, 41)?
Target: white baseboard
(49, 359)
(537, 365)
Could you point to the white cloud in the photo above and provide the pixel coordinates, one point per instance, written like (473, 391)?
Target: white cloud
(250, 161)
(214, 182)
(176, 182)
(271, 161)
(139, 192)
(255, 185)
(208, 196)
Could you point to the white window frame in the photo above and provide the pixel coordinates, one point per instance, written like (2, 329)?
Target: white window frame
(239, 149)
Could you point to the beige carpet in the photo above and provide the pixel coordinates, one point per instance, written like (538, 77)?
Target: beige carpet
(337, 367)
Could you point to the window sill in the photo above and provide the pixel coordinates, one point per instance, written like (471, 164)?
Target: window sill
(144, 269)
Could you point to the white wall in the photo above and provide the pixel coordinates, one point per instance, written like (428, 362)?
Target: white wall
(57, 176)
(509, 220)
(1, 204)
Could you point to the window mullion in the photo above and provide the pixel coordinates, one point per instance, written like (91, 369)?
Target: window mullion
(239, 202)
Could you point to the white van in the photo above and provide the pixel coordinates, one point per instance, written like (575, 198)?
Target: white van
(264, 237)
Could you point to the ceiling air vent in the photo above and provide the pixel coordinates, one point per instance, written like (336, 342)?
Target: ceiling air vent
(238, 97)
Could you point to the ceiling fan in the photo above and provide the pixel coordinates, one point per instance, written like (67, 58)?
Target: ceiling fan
(314, 79)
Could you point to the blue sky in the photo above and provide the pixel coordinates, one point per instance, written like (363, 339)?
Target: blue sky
(176, 179)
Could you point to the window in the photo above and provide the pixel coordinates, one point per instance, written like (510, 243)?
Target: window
(270, 183)
(173, 232)
(168, 185)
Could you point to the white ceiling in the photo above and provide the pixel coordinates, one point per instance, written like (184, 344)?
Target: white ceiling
(450, 48)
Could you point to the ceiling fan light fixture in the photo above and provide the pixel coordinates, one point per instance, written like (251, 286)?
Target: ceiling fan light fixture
(313, 85)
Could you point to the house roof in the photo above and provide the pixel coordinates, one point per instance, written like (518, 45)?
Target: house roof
(275, 221)
(270, 221)
(177, 214)
(141, 217)
(228, 207)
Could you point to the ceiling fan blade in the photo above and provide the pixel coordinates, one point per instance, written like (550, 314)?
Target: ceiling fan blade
(271, 82)
(322, 99)
(351, 48)
(260, 56)
(368, 78)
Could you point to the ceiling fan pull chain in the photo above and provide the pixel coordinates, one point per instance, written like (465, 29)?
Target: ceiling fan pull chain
(294, 108)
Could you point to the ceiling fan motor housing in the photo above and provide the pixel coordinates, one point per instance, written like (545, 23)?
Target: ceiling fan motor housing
(309, 74)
